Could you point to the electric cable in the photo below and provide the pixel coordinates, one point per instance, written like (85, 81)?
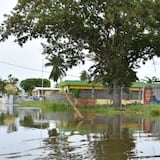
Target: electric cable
(30, 68)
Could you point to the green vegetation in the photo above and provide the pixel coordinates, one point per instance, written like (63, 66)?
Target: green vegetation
(45, 105)
(155, 111)
(29, 84)
(76, 92)
(9, 85)
(116, 35)
(99, 110)
(10, 89)
(137, 110)
(150, 111)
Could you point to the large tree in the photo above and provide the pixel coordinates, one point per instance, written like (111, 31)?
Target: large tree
(118, 34)
(12, 80)
(10, 83)
(29, 84)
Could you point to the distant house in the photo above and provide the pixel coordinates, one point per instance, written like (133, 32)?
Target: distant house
(85, 93)
(44, 91)
(69, 85)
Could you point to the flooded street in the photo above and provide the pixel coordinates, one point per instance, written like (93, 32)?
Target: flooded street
(31, 134)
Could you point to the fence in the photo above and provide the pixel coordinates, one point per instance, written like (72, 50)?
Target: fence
(105, 96)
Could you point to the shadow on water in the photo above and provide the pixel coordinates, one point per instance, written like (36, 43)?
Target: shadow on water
(30, 134)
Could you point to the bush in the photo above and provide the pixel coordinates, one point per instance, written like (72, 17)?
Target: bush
(155, 112)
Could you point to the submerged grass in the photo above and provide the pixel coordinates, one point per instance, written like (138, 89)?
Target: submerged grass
(135, 110)
(45, 105)
(151, 110)
(141, 108)
(99, 110)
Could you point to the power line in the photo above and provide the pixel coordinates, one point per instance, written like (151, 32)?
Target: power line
(19, 66)
(29, 68)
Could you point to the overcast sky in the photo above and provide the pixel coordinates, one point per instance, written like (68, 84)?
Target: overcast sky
(15, 60)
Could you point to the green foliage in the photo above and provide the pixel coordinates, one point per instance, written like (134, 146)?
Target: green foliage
(45, 105)
(142, 110)
(30, 83)
(84, 76)
(12, 80)
(58, 67)
(2, 85)
(10, 89)
(149, 111)
(76, 93)
(155, 112)
(101, 110)
(150, 80)
(9, 85)
(116, 34)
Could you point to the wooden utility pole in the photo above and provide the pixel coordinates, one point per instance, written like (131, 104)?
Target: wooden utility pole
(74, 106)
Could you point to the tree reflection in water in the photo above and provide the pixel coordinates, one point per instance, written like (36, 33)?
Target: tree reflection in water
(59, 136)
(8, 118)
(91, 140)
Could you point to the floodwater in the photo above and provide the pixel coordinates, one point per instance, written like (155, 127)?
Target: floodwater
(31, 134)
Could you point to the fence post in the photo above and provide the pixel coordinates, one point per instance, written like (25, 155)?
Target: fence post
(121, 95)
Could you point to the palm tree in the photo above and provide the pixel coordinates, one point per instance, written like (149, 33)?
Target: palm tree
(58, 67)
(12, 80)
(84, 76)
(150, 80)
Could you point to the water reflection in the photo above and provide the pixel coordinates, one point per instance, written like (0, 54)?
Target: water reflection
(33, 118)
(30, 134)
(7, 118)
(101, 138)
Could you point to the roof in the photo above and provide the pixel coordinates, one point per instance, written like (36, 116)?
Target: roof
(85, 83)
(45, 88)
(142, 84)
(79, 83)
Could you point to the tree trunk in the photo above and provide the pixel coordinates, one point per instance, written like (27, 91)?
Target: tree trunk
(116, 94)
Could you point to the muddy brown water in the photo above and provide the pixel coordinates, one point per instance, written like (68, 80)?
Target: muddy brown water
(30, 134)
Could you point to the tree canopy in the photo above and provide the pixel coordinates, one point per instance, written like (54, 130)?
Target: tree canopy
(58, 68)
(3, 83)
(12, 80)
(117, 34)
(10, 83)
(29, 84)
(10, 89)
(84, 76)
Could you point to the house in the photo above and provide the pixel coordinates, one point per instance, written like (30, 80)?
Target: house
(90, 94)
(69, 85)
(43, 91)
(82, 92)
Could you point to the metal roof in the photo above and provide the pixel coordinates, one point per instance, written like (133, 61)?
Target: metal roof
(79, 83)
(85, 83)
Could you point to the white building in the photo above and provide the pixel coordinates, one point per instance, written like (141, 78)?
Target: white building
(44, 91)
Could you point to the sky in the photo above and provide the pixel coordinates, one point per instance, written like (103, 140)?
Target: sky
(28, 62)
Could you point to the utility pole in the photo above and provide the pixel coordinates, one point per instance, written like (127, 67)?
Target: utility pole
(42, 81)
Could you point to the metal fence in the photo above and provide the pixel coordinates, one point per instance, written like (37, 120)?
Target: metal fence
(105, 96)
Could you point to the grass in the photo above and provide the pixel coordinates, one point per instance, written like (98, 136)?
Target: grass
(151, 111)
(141, 108)
(45, 105)
(98, 110)
(145, 110)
